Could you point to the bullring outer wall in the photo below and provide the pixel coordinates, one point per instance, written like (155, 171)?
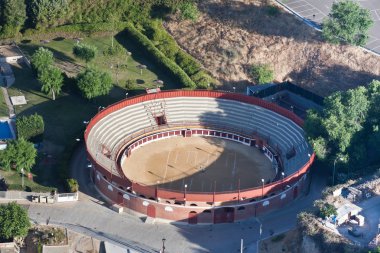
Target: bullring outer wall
(151, 201)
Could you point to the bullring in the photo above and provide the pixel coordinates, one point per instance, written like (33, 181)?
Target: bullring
(117, 133)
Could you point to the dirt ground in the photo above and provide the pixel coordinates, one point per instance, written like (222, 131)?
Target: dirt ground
(200, 163)
(288, 242)
(230, 36)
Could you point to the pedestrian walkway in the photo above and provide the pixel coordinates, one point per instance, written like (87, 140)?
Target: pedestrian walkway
(11, 109)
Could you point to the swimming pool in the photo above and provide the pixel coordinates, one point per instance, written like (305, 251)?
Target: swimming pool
(5, 131)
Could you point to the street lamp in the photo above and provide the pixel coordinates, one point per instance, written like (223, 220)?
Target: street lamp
(262, 189)
(234, 88)
(291, 107)
(341, 159)
(185, 193)
(163, 245)
(283, 175)
(126, 95)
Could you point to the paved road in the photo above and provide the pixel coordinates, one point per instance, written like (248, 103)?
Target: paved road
(316, 10)
(92, 214)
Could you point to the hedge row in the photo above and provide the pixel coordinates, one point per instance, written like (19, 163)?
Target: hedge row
(159, 57)
(78, 28)
(163, 41)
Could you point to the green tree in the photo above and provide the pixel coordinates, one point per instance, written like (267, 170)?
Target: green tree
(189, 10)
(46, 13)
(42, 58)
(347, 21)
(51, 79)
(93, 83)
(84, 52)
(30, 126)
(19, 154)
(262, 73)
(14, 221)
(12, 16)
(72, 185)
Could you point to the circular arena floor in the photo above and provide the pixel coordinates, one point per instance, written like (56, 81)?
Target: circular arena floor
(204, 164)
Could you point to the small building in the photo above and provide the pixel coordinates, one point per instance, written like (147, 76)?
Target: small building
(10, 54)
(345, 212)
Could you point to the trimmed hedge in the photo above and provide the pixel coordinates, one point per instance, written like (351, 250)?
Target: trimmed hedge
(159, 57)
(78, 28)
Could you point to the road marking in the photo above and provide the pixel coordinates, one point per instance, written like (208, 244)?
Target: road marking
(176, 156)
(312, 9)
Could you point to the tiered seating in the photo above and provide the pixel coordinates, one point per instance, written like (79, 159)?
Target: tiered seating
(280, 131)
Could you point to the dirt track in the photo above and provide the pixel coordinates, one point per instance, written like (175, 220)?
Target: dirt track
(230, 36)
(199, 162)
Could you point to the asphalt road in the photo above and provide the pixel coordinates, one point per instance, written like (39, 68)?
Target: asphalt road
(316, 10)
(92, 215)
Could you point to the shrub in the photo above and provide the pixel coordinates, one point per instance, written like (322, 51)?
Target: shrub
(30, 127)
(187, 63)
(84, 51)
(159, 57)
(72, 185)
(129, 84)
(262, 73)
(189, 11)
(115, 50)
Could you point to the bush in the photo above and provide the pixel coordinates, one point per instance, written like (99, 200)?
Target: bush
(30, 127)
(72, 185)
(115, 50)
(84, 51)
(189, 11)
(159, 57)
(262, 73)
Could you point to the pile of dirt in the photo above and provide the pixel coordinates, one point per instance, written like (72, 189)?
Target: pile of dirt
(230, 36)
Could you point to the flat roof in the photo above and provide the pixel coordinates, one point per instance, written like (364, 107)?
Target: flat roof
(9, 51)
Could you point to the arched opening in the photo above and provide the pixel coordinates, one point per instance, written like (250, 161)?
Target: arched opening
(192, 204)
(193, 217)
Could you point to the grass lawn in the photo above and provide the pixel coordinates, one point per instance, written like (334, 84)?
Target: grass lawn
(14, 181)
(3, 107)
(62, 49)
(64, 117)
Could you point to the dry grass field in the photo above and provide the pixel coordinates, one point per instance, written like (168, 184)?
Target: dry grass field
(201, 163)
(230, 36)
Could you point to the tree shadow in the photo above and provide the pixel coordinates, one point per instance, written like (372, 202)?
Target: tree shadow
(31, 48)
(325, 80)
(142, 56)
(257, 19)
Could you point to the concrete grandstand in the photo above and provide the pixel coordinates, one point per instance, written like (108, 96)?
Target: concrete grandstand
(115, 132)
